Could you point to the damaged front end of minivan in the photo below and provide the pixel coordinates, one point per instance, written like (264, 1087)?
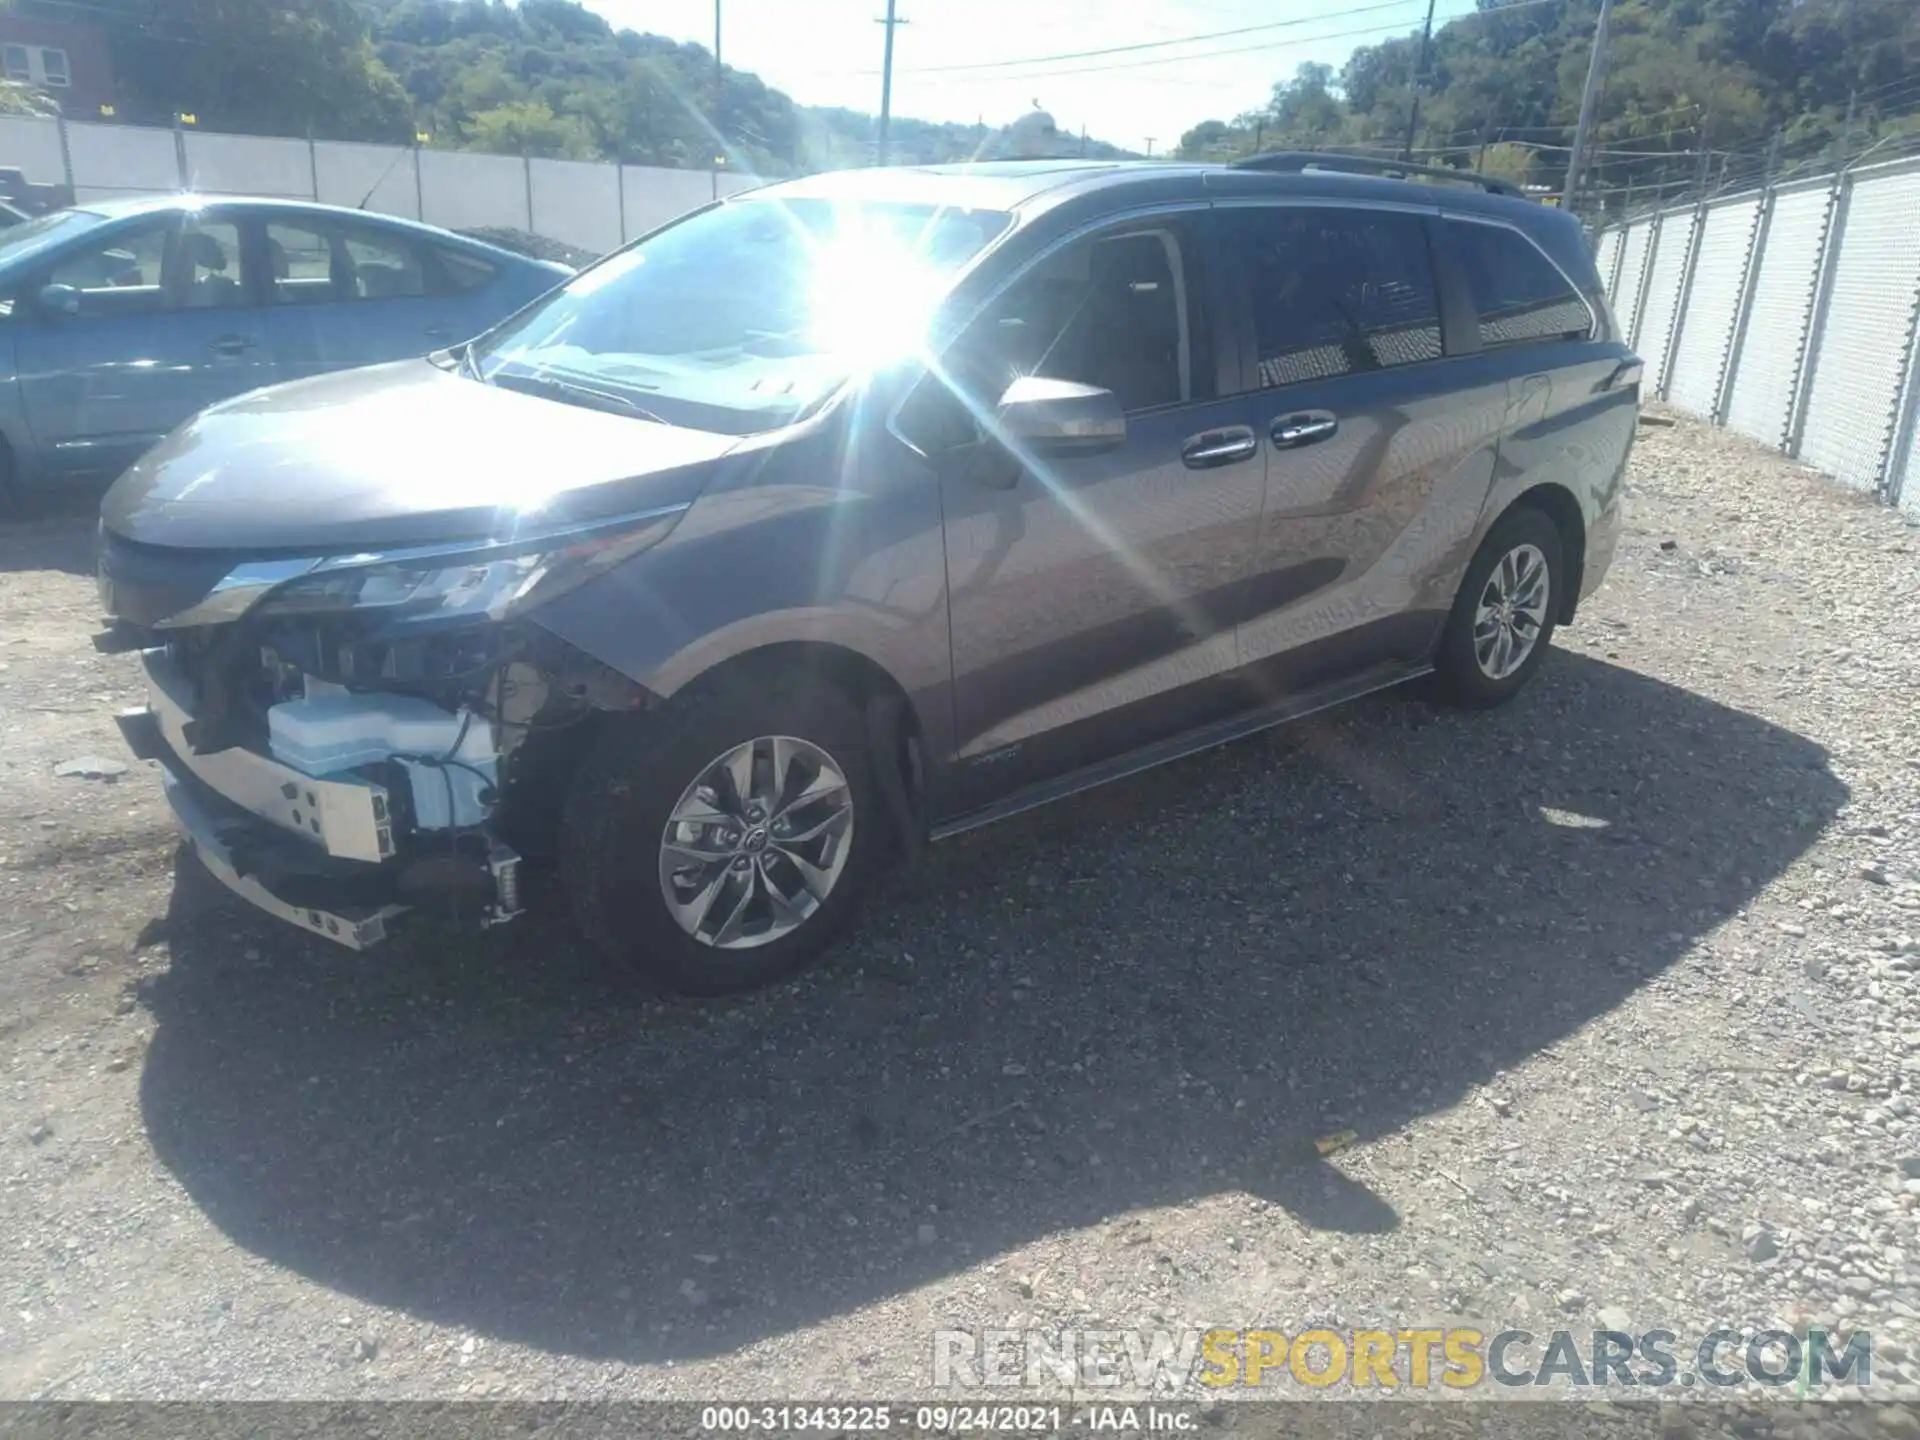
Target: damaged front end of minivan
(347, 737)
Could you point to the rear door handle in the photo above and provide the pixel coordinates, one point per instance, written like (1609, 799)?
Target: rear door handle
(1303, 427)
(231, 344)
(1211, 448)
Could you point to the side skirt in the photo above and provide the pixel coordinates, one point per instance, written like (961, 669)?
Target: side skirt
(1178, 747)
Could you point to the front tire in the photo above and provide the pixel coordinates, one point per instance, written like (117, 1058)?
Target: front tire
(720, 843)
(1504, 616)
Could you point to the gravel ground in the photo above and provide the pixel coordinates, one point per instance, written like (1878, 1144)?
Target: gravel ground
(1616, 988)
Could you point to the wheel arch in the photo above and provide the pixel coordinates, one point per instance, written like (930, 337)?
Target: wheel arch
(1558, 504)
(896, 731)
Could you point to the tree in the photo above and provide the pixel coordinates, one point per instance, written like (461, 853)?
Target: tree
(1722, 76)
(274, 67)
(1206, 141)
(528, 127)
(19, 98)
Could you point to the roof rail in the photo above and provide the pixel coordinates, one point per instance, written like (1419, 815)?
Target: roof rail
(1301, 160)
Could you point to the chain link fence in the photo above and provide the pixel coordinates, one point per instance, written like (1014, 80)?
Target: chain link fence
(1791, 316)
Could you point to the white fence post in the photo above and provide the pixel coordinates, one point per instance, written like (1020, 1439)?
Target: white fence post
(1900, 460)
(1743, 311)
(1688, 268)
(1656, 233)
(1817, 320)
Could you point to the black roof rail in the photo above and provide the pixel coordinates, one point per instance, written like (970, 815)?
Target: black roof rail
(1295, 161)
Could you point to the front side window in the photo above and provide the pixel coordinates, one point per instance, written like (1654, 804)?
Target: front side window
(1118, 310)
(744, 317)
(1336, 291)
(1520, 295)
(120, 274)
(166, 263)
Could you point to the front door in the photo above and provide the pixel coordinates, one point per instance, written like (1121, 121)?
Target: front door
(1093, 597)
(153, 322)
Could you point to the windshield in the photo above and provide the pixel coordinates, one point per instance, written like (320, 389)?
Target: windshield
(742, 318)
(42, 230)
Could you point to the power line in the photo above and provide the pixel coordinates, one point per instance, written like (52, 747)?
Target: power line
(1250, 49)
(1162, 44)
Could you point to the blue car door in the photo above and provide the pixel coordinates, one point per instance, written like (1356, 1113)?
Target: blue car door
(345, 292)
(130, 332)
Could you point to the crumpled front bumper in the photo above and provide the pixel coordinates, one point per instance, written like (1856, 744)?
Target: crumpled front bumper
(319, 854)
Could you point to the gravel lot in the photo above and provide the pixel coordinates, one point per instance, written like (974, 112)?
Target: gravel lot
(1616, 986)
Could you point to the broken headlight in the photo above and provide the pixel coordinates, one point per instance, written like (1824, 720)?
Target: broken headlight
(484, 581)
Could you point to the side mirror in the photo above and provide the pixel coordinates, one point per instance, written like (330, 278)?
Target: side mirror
(1062, 417)
(59, 300)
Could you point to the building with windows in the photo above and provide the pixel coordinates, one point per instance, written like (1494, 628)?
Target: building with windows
(70, 63)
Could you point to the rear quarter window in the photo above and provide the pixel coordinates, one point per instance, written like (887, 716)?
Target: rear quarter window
(464, 272)
(1520, 297)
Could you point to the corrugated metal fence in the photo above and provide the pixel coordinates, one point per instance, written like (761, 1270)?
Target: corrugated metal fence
(1792, 316)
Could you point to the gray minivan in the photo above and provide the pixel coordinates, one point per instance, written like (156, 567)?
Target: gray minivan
(858, 511)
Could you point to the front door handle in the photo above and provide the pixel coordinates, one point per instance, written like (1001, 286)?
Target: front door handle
(1303, 427)
(1211, 448)
(231, 344)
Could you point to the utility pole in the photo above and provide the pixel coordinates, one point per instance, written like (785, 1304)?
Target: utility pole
(886, 82)
(1083, 142)
(1150, 147)
(1419, 79)
(719, 89)
(1596, 76)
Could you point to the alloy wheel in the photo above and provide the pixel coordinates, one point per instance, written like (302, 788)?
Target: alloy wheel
(756, 844)
(1512, 613)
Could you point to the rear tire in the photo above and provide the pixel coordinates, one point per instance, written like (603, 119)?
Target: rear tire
(1504, 616)
(706, 889)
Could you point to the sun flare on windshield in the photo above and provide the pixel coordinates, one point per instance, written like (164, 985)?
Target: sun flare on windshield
(873, 294)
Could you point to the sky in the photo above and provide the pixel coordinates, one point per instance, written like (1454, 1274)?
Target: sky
(828, 52)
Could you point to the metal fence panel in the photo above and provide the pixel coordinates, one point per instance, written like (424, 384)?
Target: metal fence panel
(1606, 257)
(110, 160)
(1859, 359)
(1633, 268)
(1662, 304)
(249, 165)
(461, 189)
(1761, 401)
(1706, 334)
(31, 145)
(373, 177)
(577, 201)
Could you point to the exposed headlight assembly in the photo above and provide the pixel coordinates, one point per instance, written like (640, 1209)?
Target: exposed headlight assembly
(488, 580)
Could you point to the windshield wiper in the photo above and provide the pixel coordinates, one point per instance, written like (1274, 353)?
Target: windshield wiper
(573, 392)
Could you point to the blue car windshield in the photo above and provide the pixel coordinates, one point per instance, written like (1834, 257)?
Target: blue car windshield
(43, 230)
(742, 318)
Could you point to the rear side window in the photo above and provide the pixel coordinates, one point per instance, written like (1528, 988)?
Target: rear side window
(1520, 295)
(1337, 291)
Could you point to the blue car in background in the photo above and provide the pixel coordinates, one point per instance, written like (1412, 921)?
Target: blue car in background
(121, 319)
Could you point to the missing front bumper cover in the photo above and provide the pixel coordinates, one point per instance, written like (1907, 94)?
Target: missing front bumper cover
(320, 854)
